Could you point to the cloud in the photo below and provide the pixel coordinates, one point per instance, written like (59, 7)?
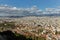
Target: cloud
(6, 10)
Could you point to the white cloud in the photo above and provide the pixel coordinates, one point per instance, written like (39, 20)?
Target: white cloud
(6, 10)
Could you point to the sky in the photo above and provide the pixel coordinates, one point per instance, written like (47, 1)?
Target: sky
(29, 7)
(41, 4)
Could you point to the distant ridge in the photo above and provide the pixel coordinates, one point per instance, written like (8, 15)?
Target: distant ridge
(48, 15)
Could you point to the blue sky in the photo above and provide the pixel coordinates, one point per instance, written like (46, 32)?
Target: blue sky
(42, 4)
